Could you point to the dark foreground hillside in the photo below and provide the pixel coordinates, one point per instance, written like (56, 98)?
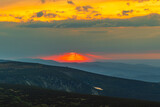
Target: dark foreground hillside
(27, 96)
(77, 81)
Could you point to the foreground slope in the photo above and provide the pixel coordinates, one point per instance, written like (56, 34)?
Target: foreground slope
(27, 96)
(73, 80)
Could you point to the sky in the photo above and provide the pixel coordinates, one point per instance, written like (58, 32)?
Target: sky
(49, 10)
(97, 29)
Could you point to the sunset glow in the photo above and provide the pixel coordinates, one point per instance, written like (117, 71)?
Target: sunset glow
(80, 58)
(68, 57)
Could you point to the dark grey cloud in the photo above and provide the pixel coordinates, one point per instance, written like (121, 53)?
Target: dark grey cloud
(45, 14)
(83, 8)
(97, 14)
(126, 12)
(70, 2)
(86, 8)
(39, 14)
(128, 4)
(43, 1)
(50, 15)
(146, 9)
(18, 17)
(149, 20)
(60, 11)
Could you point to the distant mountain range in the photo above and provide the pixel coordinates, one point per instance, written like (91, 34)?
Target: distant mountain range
(141, 72)
(74, 80)
(4, 60)
(29, 96)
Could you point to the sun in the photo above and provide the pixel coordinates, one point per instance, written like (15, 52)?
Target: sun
(70, 57)
(73, 57)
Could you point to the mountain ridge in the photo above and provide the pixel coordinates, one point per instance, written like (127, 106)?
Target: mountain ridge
(140, 72)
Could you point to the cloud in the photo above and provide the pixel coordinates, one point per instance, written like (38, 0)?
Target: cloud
(43, 1)
(76, 10)
(50, 15)
(70, 2)
(19, 18)
(149, 20)
(126, 12)
(39, 14)
(44, 13)
(83, 8)
(128, 4)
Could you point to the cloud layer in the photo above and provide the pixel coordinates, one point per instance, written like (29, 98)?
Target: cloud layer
(149, 20)
(59, 10)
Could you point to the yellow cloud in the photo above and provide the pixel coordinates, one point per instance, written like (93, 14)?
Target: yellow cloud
(50, 10)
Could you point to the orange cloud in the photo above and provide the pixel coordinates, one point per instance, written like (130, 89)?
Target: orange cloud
(25, 10)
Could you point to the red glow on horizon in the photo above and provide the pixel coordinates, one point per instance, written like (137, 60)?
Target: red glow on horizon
(98, 57)
(88, 57)
(69, 58)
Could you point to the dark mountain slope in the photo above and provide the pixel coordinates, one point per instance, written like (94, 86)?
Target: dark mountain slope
(27, 96)
(73, 80)
(42, 76)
